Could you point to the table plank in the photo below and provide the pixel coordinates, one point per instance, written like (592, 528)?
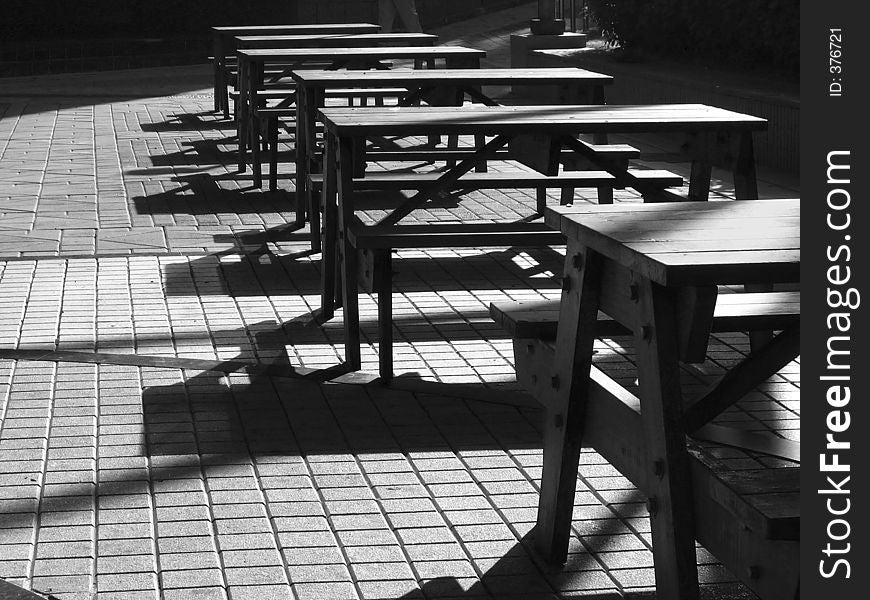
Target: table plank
(299, 28)
(333, 40)
(537, 119)
(368, 52)
(401, 77)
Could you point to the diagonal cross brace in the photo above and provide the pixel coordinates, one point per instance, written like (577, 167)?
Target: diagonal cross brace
(450, 177)
(740, 380)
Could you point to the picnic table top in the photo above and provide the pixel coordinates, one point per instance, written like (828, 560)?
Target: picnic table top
(312, 28)
(564, 118)
(370, 52)
(692, 243)
(470, 76)
(331, 39)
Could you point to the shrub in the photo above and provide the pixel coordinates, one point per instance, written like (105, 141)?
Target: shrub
(732, 33)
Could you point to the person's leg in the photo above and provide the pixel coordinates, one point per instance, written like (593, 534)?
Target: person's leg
(386, 15)
(408, 12)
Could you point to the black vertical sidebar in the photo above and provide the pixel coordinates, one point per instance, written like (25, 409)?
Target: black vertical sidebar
(835, 299)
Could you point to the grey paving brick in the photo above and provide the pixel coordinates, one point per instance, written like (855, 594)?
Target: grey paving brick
(125, 547)
(126, 582)
(407, 588)
(49, 567)
(260, 592)
(326, 591)
(63, 585)
(252, 558)
(255, 575)
(191, 578)
(185, 544)
(200, 593)
(140, 563)
(318, 573)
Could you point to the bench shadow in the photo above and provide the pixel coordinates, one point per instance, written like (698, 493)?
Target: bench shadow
(262, 273)
(201, 121)
(200, 194)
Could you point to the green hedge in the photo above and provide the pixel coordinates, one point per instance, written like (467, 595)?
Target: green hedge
(735, 33)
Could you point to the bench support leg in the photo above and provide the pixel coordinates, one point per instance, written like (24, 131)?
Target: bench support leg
(273, 153)
(256, 167)
(383, 277)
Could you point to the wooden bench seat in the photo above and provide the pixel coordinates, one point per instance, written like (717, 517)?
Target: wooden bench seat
(500, 179)
(734, 312)
(567, 181)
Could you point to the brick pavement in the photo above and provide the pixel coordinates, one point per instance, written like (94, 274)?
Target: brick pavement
(155, 438)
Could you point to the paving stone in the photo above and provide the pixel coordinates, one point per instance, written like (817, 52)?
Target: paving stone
(200, 593)
(326, 591)
(191, 578)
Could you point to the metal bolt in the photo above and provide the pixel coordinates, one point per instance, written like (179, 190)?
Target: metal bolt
(659, 468)
(633, 292)
(558, 421)
(566, 284)
(753, 571)
(652, 505)
(578, 260)
(534, 379)
(646, 332)
(530, 348)
(554, 381)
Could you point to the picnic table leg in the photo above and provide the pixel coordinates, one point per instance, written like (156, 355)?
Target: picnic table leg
(669, 479)
(566, 402)
(328, 263)
(383, 277)
(217, 66)
(254, 124)
(272, 132)
(242, 114)
(746, 188)
(304, 146)
(347, 253)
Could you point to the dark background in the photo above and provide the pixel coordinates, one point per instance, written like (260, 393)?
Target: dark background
(60, 36)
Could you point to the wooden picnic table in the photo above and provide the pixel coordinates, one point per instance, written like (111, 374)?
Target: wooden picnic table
(223, 45)
(335, 39)
(436, 86)
(253, 61)
(713, 136)
(637, 264)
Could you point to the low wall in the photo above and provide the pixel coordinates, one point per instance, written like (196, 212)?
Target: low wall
(652, 82)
